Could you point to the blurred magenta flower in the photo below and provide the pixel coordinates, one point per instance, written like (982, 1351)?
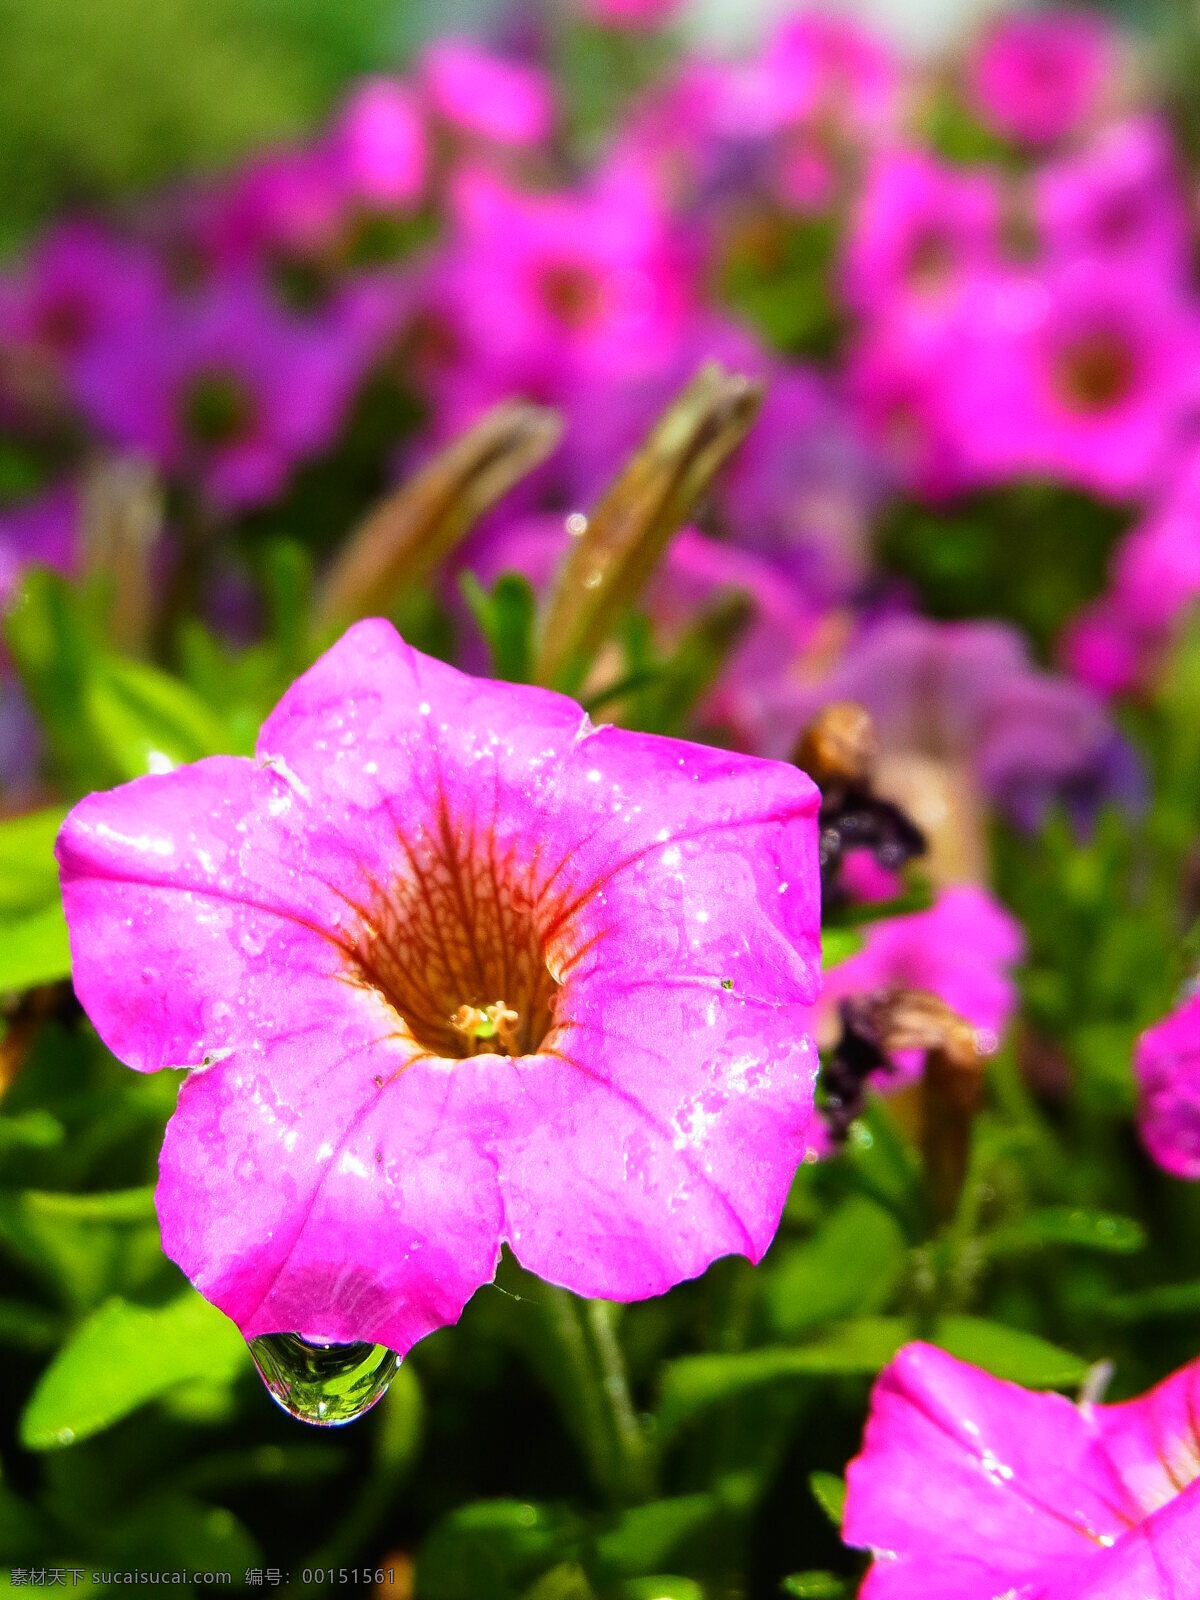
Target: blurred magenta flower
(1120, 198)
(486, 96)
(971, 1488)
(225, 389)
(452, 966)
(1167, 1066)
(1039, 79)
(43, 532)
(547, 284)
(963, 949)
(1083, 375)
(81, 284)
(918, 229)
(377, 147)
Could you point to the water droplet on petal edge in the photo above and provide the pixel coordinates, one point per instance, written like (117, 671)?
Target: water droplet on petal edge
(323, 1384)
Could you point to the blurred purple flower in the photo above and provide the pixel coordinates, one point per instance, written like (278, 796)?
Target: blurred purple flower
(1083, 374)
(968, 690)
(971, 1488)
(1121, 199)
(225, 389)
(42, 532)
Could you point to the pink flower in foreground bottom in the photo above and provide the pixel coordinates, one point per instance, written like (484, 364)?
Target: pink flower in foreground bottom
(464, 969)
(969, 1488)
(1167, 1067)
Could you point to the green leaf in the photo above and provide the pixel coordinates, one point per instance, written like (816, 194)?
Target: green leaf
(1009, 1353)
(829, 1491)
(649, 1535)
(814, 1585)
(144, 718)
(33, 931)
(107, 718)
(83, 1247)
(31, 1130)
(494, 1548)
(121, 1358)
(1162, 1300)
(1066, 1225)
(662, 1587)
(567, 1581)
(839, 944)
(505, 618)
(808, 1284)
(692, 1383)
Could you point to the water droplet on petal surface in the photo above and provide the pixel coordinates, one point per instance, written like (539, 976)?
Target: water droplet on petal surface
(324, 1384)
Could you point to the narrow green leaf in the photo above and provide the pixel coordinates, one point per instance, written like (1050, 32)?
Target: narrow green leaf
(829, 1491)
(1066, 1225)
(649, 1535)
(505, 618)
(124, 1356)
(1009, 1353)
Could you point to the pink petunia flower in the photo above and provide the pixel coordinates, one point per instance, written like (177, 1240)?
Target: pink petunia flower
(963, 949)
(971, 1488)
(487, 96)
(451, 967)
(1038, 79)
(1167, 1067)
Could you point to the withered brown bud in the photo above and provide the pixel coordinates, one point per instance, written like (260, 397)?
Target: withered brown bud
(839, 746)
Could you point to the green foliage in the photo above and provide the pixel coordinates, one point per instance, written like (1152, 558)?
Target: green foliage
(123, 1356)
(33, 932)
(100, 97)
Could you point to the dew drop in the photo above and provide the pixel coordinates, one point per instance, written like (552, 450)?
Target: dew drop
(324, 1384)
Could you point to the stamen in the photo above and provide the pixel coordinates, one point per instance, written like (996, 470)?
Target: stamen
(481, 1024)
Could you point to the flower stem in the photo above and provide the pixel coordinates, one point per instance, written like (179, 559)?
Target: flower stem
(593, 1388)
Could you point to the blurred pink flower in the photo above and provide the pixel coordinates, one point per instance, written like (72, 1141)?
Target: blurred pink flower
(971, 1488)
(546, 284)
(1167, 1066)
(1121, 198)
(1082, 375)
(1037, 79)
(451, 967)
(226, 389)
(485, 95)
(377, 148)
(918, 229)
(963, 949)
